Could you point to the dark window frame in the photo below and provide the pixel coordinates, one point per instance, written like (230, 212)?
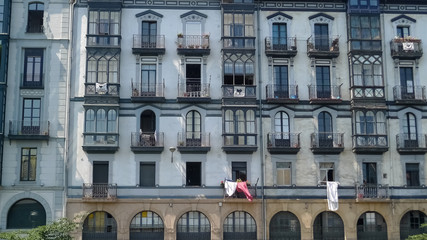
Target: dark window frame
(33, 59)
(35, 17)
(412, 174)
(236, 130)
(109, 59)
(152, 182)
(239, 170)
(111, 125)
(27, 164)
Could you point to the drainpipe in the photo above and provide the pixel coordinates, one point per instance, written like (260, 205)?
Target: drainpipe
(67, 104)
(261, 138)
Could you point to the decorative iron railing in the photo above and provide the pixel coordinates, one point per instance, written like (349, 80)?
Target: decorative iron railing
(364, 191)
(147, 90)
(325, 92)
(147, 139)
(142, 41)
(99, 191)
(31, 127)
(193, 139)
(283, 140)
(327, 140)
(409, 93)
(193, 90)
(280, 44)
(193, 41)
(275, 91)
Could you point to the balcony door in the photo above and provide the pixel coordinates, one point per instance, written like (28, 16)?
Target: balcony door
(281, 84)
(148, 128)
(31, 116)
(100, 180)
(193, 80)
(323, 82)
(321, 37)
(280, 36)
(194, 174)
(193, 33)
(326, 137)
(410, 131)
(281, 129)
(370, 174)
(148, 80)
(407, 83)
(193, 133)
(149, 34)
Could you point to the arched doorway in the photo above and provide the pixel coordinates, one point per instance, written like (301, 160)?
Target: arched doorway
(371, 225)
(193, 225)
(327, 226)
(146, 225)
(100, 225)
(147, 128)
(411, 222)
(285, 225)
(240, 225)
(26, 213)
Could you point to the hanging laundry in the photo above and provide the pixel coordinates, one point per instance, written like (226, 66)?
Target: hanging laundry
(408, 46)
(332, 193)
(230, 187)
(242, 187)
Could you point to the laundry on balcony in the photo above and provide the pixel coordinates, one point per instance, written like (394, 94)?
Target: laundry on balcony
(332, 193)
(241, 187)
(408, 46)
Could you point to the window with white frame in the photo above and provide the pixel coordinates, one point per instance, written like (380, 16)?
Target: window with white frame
(326, 172)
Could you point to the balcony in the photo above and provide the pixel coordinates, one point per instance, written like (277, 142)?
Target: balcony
(326, 94)
(239, 143)
(409, 95)
(241, 195)
(193, 45)
(103, 41)
(102, 89)
(32, 81)
(411, 143)
(372, 191)
(368, 93)
(370, 144)
(193, 92)
(323, 47)
(101, 142)
(29, 130)
(148, 45)
(147, 142)
(238, 91)
(327, 143)
(361, 46)
(280, 47)
(283, 143)
(282, 93)
(406, 48)
(147, 92)
(99, 192)
(194, 142)
(238, 43)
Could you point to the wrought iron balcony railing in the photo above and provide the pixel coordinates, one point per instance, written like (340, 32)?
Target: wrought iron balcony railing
(147, 90)
(372, 191)
(102, 89)
(193, 90)
(147, 139)
(193, 139)
(280, 46)
(101, 40)
(325, 93)
(29, 128)
(283, 142)
(365, 143)
(409, 48)
(142, 41)
(323, 46)
(193, 41)
(101, 191)
(409, 94)
(411, 143)
(285, 93)
(327, 140)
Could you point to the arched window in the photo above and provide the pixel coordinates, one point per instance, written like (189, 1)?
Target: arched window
(240, 225)
(101, 121)
(371, 128)
(325, 130)
(411, 222)
(100, 225)
(193, 129)
(111, 121)
(193, 225)
(146, 225)
(410, 130)
(147, 128)
(285, 225)
(35, 17)
(371, 224)
(328, 225)
(26, 213)
(281, 129)
(239, 127)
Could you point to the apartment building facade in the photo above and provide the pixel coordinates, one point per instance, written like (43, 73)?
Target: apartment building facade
(36, 57)
(170, 98)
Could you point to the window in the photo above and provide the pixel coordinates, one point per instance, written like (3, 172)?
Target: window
(239, 225)
(328, 225)
(411, 223)
(326, 172)
(239, 127)
(238, 25)
(403, 31)
(31, 116)
(407, 83)
(35, 17)
(193, 129)
(280, 36)
(410, 135)
(413, 174)
(193, 174)
(283, 172)
(365, 32)
(193, 78)
(25, 214)
(147, 173)
(325, 130)
(193, 225)
(281, 82)
(239, 69)
(147, 128)
(370, 123)
(367, 72)
(149, 34)
(99, 225)
(369, 174)
(103, 24)
(371, 224)
(323, 82)
(100, 172)
(101, 121)
(28, 164)
(238, 171)
(321, 37)
(146, 225)
(103, 67)
(285, 225)
(281, 129)
(33, 67)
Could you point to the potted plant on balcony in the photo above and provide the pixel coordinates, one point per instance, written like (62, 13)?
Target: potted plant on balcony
(334, 45)
(180, 40)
